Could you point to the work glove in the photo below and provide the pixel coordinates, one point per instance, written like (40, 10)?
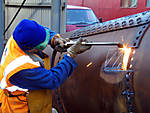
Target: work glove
(77, 48)
(58, 43)
(58, 40)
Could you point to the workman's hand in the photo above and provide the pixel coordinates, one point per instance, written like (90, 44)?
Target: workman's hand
(58, 40)
(77, 48)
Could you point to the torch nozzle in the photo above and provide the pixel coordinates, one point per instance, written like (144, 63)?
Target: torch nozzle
(120, 45)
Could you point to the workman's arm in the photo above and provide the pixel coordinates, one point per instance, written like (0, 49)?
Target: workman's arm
(40, 78)
(52, 34)
(55, 39)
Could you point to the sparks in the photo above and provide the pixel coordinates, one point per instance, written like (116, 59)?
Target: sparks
(133, 52)
(132, 59)
(89, 64)
(127, 52)
(130, 66)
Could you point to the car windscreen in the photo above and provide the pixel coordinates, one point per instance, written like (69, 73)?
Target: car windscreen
(81, 17)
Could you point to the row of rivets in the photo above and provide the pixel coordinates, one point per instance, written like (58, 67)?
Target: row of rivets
(116, 24)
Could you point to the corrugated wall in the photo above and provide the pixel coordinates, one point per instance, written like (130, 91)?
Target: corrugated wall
(39, 10)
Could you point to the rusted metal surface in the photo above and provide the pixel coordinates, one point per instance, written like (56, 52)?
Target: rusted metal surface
(92, 90)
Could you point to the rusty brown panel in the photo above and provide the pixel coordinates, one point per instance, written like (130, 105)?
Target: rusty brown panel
(90, 89)
(141, 65)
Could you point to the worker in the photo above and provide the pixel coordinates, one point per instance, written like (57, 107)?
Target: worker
(21, 69)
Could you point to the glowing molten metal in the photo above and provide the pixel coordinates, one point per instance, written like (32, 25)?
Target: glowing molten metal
(126, 50)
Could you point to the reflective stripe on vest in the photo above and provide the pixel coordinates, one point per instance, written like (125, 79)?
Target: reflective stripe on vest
(12, 66)
(13, 61)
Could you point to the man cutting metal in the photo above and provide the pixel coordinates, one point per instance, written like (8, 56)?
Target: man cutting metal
(22, 70)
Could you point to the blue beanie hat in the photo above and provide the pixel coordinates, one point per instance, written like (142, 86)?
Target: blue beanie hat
(29, 34)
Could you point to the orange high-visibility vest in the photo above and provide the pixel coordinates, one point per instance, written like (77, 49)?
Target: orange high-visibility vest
(14, 60)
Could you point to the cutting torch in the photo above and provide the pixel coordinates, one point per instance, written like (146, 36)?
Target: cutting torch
(92, 43)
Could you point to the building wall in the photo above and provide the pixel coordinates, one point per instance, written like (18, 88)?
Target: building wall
(43, 11)
(1, 26)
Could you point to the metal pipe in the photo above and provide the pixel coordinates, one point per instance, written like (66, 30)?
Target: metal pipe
(96, 44)
(56, 13)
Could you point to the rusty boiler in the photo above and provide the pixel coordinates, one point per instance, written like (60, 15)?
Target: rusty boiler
(101, 84)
